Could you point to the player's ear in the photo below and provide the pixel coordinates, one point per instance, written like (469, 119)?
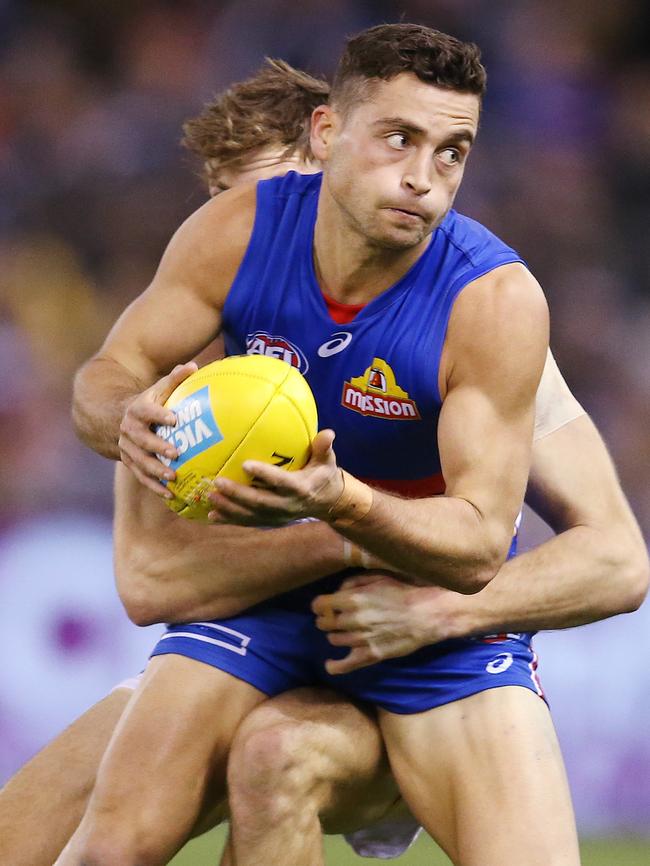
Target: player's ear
(323, 128)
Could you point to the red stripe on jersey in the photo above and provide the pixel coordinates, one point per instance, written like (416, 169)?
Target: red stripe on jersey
(341, 313)
(416, 488)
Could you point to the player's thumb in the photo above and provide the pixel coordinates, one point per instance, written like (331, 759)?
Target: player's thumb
(321, 447)
(172, 380)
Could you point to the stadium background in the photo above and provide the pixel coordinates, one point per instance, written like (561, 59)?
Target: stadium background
(93, 180)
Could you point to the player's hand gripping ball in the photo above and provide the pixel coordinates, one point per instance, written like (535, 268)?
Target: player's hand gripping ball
(247, 407)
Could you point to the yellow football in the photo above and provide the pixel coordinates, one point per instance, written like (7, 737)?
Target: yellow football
(247, 407)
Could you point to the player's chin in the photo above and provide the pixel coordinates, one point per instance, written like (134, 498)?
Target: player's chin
(400, 232)
(401, 238)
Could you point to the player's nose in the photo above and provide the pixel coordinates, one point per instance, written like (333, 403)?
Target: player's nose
(417, 177)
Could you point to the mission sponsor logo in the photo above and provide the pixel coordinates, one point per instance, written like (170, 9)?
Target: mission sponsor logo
(261, 343)
(377, 394)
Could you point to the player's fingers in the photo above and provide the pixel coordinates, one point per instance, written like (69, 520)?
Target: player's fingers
(347, 638)
(359, 657)
(326, 621)
(145, 413)
(224, 511)
(338, 621)
(323, 605)
(145, 480)
(146, 463)
(270, 476)
(147, 441)
(261, 500)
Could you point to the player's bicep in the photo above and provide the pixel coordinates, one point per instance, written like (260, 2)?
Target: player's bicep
(168, 324)
(484, 452)
(498, 336)
(180, 312)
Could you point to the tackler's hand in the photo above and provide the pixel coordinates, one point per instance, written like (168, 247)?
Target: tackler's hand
(139, 444)
(380, 617)
(276, 496)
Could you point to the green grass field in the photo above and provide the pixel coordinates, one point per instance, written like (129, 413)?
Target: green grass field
(604, 852)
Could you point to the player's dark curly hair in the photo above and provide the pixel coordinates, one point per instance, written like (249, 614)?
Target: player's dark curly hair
(272, 108)
(380, 53)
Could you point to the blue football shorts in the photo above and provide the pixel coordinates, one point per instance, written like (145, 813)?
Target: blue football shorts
(276, 649)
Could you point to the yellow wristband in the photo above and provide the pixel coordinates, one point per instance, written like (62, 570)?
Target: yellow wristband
(353, 504)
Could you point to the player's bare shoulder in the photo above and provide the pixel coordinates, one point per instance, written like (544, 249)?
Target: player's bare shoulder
(208, 248)
(504, 297)
(499, 324)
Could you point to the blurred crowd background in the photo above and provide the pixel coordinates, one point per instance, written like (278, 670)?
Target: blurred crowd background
(93, 182)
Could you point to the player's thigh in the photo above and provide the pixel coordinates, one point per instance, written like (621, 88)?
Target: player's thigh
(314, 743)
(485, 776)
(42, 804)
(172, 740)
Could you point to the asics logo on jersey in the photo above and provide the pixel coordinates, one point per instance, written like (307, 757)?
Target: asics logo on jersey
(261, 343)
(376, 393)
(336, 343)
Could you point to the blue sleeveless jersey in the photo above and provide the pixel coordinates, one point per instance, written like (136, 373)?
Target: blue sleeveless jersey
(375, 379)
(376, 384)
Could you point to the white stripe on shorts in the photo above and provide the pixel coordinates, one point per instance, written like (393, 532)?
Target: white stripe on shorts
(240, 650)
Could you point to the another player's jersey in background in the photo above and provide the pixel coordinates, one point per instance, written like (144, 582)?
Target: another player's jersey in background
(375, 378)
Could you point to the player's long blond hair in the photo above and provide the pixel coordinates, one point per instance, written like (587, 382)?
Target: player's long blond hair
(272, 108)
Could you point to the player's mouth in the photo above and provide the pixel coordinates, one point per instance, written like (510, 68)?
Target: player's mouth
(409, 215)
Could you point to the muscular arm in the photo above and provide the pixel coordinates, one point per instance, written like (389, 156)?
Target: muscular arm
(595, 567)
(172, 570)
(495, 349)
(597, 564)
(168, 324)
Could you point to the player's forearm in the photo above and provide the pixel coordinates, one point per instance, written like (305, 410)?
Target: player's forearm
(102, 390)
(577, 577)
(224, 570)
(443, 540)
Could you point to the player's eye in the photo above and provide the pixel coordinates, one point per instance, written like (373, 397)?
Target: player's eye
(449, 156)
(397, 140)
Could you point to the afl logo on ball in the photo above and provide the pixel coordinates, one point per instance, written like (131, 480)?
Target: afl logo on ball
(261, 343)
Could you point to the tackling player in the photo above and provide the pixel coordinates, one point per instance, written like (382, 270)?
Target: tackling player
(565, 601)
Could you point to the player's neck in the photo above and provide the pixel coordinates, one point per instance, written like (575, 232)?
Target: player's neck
(349, 268)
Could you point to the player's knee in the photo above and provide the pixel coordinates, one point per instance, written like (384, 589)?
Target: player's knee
(270, 769)
(262, 755)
